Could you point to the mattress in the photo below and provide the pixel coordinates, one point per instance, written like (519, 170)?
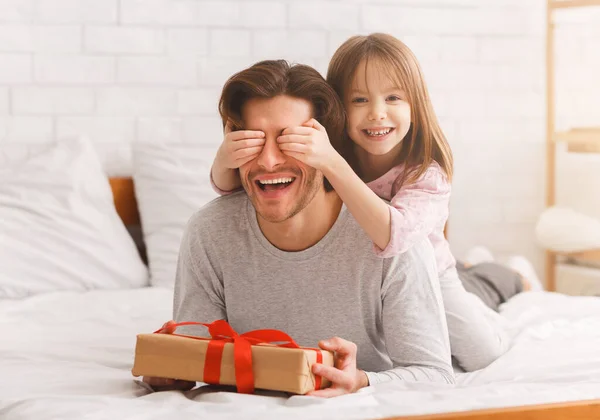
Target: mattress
(69, 355)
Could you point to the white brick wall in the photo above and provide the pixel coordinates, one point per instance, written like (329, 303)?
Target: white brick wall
(123, 40)
(102, 129)
(136, 101)
(76, 11)
(187, 41)
(73, 69)
(52, 101)
(155, 71)
(4, 101)
(15, 69)
(26, 129)
(120, 71)
(40, 39)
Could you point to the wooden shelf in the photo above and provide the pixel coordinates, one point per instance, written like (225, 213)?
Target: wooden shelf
(591, 255)
(580, 140)
(569, 4)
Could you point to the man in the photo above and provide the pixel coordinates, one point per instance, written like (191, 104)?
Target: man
(286, 254)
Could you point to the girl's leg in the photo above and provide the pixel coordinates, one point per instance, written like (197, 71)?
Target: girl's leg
(477, 255)
(522, 266)
(478, 334)
(500, 282)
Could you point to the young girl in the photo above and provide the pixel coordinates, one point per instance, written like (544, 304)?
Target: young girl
(395, 150)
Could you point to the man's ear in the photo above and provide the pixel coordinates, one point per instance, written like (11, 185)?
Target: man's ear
(233, 123)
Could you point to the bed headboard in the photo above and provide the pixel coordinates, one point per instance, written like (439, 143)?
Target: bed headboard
(127, 209)
(125, 201)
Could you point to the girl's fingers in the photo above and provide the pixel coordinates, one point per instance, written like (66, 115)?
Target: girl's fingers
(242, 144)
(298, 130)
(243, 161)
(245, 134)
(244, 153)
(293, 147)
(298, 156)
(292, 138)
(314, 124)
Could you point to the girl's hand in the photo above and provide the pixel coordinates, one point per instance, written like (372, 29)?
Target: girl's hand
(309, 144)
(239, 147)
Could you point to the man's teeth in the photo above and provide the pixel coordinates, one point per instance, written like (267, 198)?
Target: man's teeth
(276, 181)
(378, 132)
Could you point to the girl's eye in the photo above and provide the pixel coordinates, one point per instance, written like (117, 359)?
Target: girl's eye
(359, 100)
(394, 98)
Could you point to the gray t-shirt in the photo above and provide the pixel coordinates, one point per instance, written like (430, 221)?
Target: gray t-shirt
(390, 308)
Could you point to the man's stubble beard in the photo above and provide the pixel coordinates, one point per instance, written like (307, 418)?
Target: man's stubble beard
(313, 184)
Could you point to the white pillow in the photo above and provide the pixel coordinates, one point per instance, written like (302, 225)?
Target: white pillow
(172, 181)
(562, 229)
(59, 229)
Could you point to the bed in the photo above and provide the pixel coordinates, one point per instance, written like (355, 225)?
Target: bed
(68, 355)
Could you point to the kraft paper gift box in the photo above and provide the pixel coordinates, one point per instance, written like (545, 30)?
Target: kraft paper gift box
(224, 357)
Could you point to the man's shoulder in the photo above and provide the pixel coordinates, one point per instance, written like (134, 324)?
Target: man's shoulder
(220, 212)
(419, 257)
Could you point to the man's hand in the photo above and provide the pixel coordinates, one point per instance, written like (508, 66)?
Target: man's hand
(344, 376)
(239, 147)
(164, 384)
(309, 144)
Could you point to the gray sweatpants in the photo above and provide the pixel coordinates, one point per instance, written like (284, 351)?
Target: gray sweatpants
(493, 283)
(478, 334)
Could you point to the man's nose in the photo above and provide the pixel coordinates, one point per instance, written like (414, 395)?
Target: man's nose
(378, 111)
(271, 155)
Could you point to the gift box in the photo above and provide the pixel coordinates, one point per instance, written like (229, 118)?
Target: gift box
(263, 359)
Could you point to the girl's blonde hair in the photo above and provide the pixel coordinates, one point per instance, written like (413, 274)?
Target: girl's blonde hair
(425, 142)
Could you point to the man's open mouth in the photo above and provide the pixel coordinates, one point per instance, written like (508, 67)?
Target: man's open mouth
(275, 184)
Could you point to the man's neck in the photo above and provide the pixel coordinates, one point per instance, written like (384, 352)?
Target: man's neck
(306, 228)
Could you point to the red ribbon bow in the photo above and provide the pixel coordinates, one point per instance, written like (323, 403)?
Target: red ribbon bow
(222, 333)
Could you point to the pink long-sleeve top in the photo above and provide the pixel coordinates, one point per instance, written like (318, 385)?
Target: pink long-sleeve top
(418, 209)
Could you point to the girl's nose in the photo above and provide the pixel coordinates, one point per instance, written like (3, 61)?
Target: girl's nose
(377, 112)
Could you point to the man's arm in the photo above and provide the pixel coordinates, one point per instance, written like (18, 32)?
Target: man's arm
(414, 322)
(198, 295)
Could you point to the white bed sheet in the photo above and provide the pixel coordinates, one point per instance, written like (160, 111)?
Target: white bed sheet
(69, 355)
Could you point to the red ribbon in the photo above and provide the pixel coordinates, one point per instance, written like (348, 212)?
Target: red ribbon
(222, 333)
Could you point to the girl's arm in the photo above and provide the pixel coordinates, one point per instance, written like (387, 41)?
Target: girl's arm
(413, 212)
(224, 180)
(370, 211)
